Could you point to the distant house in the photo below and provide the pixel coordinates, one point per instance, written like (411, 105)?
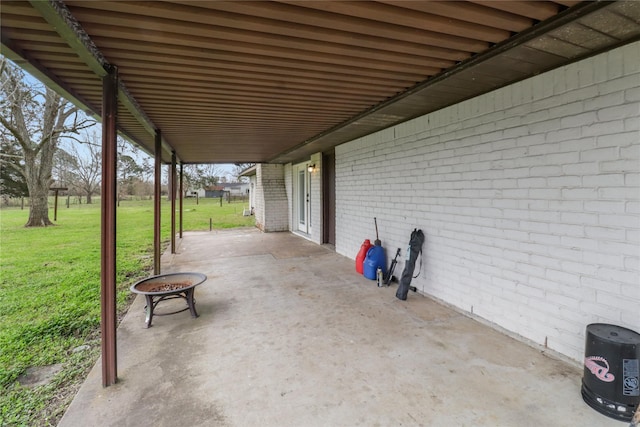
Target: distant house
(236, 188)
(214, 191)
(232, 188)
(200, 192)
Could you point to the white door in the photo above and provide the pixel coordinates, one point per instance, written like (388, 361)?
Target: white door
(302, 197)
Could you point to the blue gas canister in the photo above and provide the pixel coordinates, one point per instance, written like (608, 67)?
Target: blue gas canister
(375, 259)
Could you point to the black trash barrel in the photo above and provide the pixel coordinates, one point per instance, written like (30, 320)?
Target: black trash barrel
(611, 379)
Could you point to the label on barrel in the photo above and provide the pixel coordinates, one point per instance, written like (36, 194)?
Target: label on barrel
(599, 367)
(631, 377)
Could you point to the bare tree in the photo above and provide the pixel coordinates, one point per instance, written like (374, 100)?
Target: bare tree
(209, 175)
(64, 167)
(88, 171)
(35, 121)
(239, 168)
(200, 176)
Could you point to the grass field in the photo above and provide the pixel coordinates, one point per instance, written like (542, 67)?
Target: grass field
(50, 293)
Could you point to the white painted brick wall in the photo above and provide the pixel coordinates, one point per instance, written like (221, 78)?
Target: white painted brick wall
(529, 197)
(288, 180)
(316, 198)
(271, 198)
(259, 199)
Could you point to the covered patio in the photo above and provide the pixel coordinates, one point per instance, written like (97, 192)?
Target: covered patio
(506, 130)
(290, 335)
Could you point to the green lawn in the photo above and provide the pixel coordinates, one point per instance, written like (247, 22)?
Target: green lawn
(50, 292)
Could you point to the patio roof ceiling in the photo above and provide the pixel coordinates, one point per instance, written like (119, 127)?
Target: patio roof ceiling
(276, 81)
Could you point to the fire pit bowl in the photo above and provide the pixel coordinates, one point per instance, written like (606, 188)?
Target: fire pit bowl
(168, 286)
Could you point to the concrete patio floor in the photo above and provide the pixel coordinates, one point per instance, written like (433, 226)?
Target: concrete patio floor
(290, 335)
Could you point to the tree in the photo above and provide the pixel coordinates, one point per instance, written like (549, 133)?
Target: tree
(88, 173)
(34, 120)
(239, 168)
(200, 176)
(133, 171)
(129, 173)
(64, 167)
(209, 175)
(12, 182)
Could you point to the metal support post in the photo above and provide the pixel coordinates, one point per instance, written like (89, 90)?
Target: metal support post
(157, 181)
(108, 228)
(181, 196)
(172, 186)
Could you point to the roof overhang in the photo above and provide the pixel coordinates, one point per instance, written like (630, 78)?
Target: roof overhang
(250, 171)
(239, 82)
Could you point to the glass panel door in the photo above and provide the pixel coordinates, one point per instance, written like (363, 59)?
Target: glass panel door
(302, 197)
(302, 200)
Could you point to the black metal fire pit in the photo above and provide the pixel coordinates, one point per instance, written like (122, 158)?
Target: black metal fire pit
(168, 286)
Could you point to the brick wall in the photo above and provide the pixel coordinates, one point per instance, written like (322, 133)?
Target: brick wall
(288, 180)
(528, 195)
(271, 198)
(316, 198)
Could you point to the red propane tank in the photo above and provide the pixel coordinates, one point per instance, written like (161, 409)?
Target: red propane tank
(362, 255)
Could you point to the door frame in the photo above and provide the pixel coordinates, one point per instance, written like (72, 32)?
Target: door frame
(329, 197)
(302, 198)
